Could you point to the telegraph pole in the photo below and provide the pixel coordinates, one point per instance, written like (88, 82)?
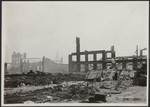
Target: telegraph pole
(137, 50)
(43, 63)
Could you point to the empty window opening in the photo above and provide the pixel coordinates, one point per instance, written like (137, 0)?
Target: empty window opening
(99, 66)
(99, 57)
(90, 57)
(82, 68)
(74, 58)
(108, 55)
(129, 66)
(90, 66)
(82, 57)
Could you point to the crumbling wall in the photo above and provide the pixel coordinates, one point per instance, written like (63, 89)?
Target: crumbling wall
(108, 56)
(75, 65)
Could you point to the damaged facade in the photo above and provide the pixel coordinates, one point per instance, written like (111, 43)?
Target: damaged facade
(76, 64)
(22, 64)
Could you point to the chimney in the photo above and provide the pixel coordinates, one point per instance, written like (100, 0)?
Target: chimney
(78, 53)
(77, 44)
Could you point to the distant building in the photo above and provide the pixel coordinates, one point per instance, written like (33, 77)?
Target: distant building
(16, 58)
(34, 64)
(21, 64)
(53, 67)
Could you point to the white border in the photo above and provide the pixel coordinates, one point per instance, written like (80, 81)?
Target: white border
(69, 104)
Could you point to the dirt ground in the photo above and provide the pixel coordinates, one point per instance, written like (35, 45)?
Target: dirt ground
(136, 94)
(44, 94)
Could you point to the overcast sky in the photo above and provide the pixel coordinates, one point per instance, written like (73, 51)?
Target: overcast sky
(43, 28)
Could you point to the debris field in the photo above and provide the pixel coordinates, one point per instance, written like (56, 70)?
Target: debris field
(92, 88)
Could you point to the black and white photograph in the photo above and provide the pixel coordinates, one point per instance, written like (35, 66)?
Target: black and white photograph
(75, 53)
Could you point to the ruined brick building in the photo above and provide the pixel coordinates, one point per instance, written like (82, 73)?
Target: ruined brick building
(100, 59)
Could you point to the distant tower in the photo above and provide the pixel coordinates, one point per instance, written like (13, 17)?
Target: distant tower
(61, 61)
(57, 57)
(16, 57)
(43, 63)
(78, 52)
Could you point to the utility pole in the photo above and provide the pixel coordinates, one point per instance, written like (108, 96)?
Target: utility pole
(43, 63)
(78, 52)
(137, 51)
(135, 62)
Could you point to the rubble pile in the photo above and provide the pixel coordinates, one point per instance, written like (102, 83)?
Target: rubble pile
(81, 92)
(95, 87)
(16, 80)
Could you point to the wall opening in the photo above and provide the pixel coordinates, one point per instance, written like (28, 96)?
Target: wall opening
(90, 66)
(82, 57)
(99, 57)
(90, 57)
(74, 58)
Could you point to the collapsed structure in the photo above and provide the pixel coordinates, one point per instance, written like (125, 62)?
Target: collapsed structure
(22, 64)
(84, 65)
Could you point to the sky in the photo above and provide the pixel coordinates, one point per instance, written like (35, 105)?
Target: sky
(45, 28)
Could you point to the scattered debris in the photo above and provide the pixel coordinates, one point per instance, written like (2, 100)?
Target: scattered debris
(50, 97)
(28, 102)
(95, 87)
